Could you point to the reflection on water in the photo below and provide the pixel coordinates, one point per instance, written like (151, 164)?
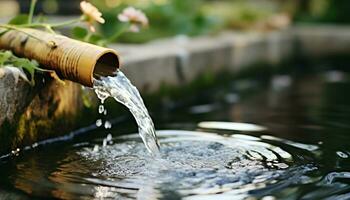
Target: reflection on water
(233, 126)
(287, 140)
(195, 165)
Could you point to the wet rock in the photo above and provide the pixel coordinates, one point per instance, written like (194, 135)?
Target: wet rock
(30, 114)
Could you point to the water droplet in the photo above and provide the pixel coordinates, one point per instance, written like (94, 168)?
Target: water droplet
(95, 148)
(342, 154)
(101, 109)
(268, 198)
(99, 122)
(109, 137)
(16, 152)
(104, 143)
(108, 125)
(281, 165)
(105, 112)
(102, 96)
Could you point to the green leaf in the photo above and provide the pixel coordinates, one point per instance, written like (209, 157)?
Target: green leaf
(4, 57)
(79, 33)
(95, 39)
(19, 19)
(7, 58)
(40, 18)
(28, 65)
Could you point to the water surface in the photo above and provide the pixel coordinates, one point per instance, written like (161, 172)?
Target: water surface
(293, 144)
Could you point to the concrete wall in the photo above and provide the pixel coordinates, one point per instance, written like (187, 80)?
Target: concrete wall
(29, 114)
(318, 41)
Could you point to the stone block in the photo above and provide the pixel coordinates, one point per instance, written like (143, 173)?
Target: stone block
(248, 49)
(205, 54)
(30, 114)
(149, 66)
(318, 41)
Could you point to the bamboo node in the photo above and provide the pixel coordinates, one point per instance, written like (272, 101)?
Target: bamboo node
(52, 44)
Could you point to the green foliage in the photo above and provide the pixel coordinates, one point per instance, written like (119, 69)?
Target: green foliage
(82, 34)
(96, 39)
(79, 33)
(337, 11)
(19, 19)
(195, 17)
(166, 19)
(182, 17)
(241, 14)
(324, 11)
(29, 65)
(7, 58)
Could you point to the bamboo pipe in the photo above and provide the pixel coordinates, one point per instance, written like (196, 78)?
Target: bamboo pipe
(71, 59)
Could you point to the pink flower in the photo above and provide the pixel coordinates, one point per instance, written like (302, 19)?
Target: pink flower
(135, 17)
(91, 14)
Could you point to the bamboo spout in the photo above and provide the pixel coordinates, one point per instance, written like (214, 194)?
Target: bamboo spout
(71, 59)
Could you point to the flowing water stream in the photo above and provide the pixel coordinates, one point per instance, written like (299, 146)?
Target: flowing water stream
(294, 144)
(120, 88)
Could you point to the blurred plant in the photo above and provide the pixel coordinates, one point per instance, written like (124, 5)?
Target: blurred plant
(195, 17)
(329, 11)
(91, 15)
(168, 18)
(181, 17)
(131, 19)
(244, 14)
(136, 18)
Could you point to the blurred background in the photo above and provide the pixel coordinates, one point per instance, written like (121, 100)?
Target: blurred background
(195, 17)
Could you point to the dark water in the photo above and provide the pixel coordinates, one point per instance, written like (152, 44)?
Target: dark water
(296, 146)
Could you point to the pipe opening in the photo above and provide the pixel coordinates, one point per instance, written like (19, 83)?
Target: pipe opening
(106, 65)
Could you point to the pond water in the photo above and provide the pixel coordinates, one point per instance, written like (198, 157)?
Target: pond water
(277, 136)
